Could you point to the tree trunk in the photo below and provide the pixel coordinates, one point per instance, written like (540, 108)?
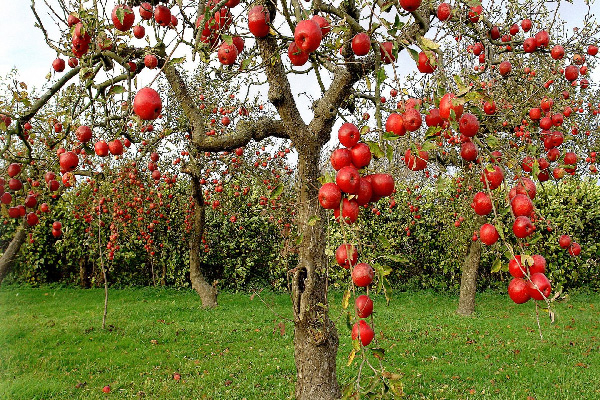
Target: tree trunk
(11, 252)
(163, 275)
(315, 335)
(84, 277)
(207, 293)
(468, 281)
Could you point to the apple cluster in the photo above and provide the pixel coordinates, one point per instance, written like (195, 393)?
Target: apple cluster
(359, 191)
(345, 196)
(529, 279)
(362, 276)
(307, 39)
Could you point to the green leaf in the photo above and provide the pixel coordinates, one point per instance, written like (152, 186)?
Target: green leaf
(346, 299)
(120, 13)
(177, 60)
(473, 96)
(384, 242)
(375, 149)
(496, 265)
(352, 355)
(413, 54)
(277, 191)
(382, 270)
(396, 258)
(526, 260)
(118, 89)
(492, 141)
(381, 76)
(432, 132)
(227, 39)
(428, 43)
(327, 178)
(390, 136)
(427, 146)
(378, 352)
(389, 152)
(368, 82)
(313, 220)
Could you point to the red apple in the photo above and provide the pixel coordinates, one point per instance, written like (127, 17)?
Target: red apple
(162, 15)
(482, 204)
(504, 68)
(348, 135)
(68, 161)
(146, 11)
(340, 158)
(382, 185)
(361, 44)
(444, 11)
(539, 287)
(518, 291)
(349, 211)
(83, 133)
(227, 53)
(362, 275)
(342, 258)
(395, 124)
(424, 64)
(360, 155)
(449, 103)
(469, 125)
(139, 31)
(521, 205)
(386, 49)
(488, 234)
(330, 196)
(147, 104)
(13, 170)
(574, 249)
(58, 65)
(468, 151)
(348, 179)
(323, 23)
(101, 148)
(365, 192)
(122, 17)
(364, 331)
(115, 147)
(410, 5)
(522, 227)
(150, 61)
(516, 267)
(258, 20)
(564, 241)
(363, 306)
(297, 56)
(539, 265)
(416, 163)
(493, 178)
(412, 119)
(308, 35)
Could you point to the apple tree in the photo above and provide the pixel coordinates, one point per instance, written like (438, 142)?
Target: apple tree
(347, 52)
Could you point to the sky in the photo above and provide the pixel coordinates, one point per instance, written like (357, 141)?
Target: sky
(23, 45)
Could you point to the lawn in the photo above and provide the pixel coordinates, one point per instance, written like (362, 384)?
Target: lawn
(52, 346)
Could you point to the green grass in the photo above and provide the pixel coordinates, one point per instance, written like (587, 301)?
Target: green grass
(51, 339)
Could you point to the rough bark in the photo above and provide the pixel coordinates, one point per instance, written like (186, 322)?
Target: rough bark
(84, 274)
(315, 336)
(7, 259)
(468, 281)
(207, 292)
